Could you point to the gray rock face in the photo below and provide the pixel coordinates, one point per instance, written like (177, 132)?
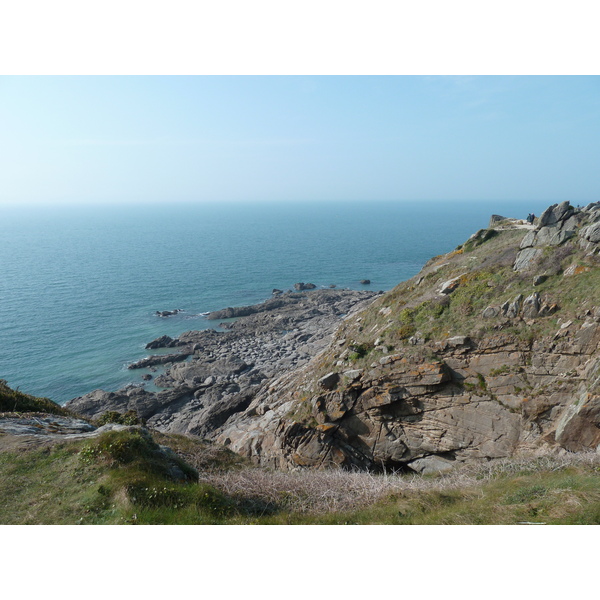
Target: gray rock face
(528, 308)
(550, 236)
(525, 258)
(161, 342)
(555, 214)
(512, 309)
(490, 312)
(557, 225)
(592, 233)
(304, 286)
(329, 381)
(494, 220)
(531, 305)
(528, 240)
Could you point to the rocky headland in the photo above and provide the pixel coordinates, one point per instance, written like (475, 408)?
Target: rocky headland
(491, 351)
(485, 366)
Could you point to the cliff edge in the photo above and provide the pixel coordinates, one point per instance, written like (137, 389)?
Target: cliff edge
(491, 351)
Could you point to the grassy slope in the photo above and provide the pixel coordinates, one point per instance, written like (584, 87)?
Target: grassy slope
(487, 278)
(121, 478)
(15, 401)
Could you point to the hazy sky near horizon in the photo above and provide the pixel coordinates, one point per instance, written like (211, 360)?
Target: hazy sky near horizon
(94, 139)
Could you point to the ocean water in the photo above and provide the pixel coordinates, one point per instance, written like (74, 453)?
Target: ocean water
(79, 285)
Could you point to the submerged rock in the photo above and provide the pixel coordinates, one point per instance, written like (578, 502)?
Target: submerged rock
(167, 313)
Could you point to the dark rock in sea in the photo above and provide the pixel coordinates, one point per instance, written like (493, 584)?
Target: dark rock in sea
(365, 281)
(146, 377)
(167, 313)
(332, 286)
(304, 286)
(277, 292)
(161, 342)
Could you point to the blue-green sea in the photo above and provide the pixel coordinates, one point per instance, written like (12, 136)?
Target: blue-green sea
(79, 285)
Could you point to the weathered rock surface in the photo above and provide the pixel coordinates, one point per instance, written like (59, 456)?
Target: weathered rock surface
(463, 398)
(304, 286)
(43, 425)
(162, 342)
(556, 225)
(475, 402)
(159, 359)
(224, 370)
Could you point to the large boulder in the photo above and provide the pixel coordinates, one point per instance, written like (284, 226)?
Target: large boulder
(161, 342)
(304, 286)
(592, 233)
(495, 220)
(525, 258)
(556, 213)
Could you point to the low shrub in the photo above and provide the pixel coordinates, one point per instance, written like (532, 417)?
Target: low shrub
(15, 401)
(112, 416)
(120, 447)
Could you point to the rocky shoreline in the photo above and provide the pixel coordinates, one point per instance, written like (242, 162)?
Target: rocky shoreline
(491, 351)
(213, 375)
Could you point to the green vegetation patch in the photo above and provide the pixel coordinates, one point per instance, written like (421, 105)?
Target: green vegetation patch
(112, 416)
(66, 484)
(358, 351)
(15, 401)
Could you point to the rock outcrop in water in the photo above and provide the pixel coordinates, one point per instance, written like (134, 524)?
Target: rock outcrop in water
(490, 351)
(218, 373)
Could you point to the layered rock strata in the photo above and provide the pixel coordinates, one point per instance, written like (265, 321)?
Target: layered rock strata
(524, 376)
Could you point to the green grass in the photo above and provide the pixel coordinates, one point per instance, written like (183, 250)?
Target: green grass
(16, 401)
(124, 478)
(119, 477)
(487, 279)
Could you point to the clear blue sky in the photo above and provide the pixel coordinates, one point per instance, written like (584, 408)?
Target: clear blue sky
(162, 139)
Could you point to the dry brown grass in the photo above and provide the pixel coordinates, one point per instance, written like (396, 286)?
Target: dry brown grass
(308, 491)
